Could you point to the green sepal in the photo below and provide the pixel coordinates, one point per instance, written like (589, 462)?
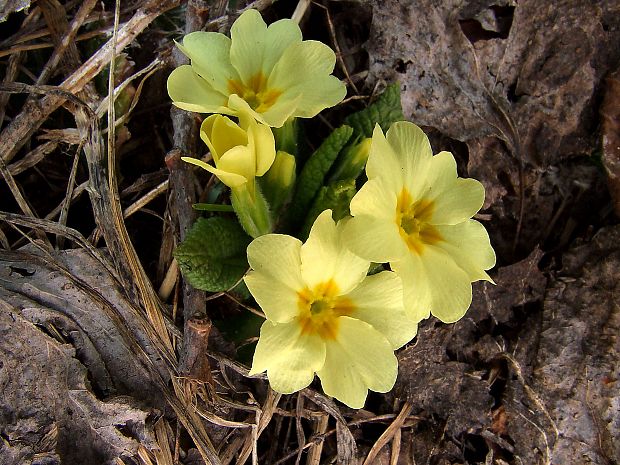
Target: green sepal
(336, 197)
(252, 210)
(314, 171)
(386, 110)
(213, 255)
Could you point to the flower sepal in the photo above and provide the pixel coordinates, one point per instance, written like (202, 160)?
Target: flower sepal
(252, 209)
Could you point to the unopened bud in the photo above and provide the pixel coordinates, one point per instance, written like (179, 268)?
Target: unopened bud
(352, 161)
(278, 183)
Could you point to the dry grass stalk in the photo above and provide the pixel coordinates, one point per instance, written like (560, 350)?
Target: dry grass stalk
(32, 158)
(15, 135)
(163, 456)
(389, 433)
(315, 451)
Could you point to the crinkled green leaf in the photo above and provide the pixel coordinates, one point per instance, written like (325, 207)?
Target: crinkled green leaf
(213, 255)
(313, 174)
(385, 111)
(337, 197)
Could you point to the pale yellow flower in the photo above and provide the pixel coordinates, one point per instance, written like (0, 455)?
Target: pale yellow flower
(240, 151)
(325, 316)
(268, 72)
(415, 213)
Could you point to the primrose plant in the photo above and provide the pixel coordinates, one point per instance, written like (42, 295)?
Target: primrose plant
(326, 314)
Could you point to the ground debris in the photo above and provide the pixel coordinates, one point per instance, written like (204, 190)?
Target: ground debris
(48, 410)
(531, 372)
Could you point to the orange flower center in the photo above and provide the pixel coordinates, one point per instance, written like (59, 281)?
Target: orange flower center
(412, 219)
(319, 309)
(255, 93)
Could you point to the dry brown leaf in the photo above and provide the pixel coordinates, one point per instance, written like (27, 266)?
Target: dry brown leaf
(578, 365)
(515, 81)
(12, 6)
(533, 80)
(87, 305)
(610, 112)
(47, 407)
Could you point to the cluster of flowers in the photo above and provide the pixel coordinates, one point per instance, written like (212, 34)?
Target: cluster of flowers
(325, 314)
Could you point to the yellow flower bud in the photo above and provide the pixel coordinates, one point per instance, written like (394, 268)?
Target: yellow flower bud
(277, 184)
(240, 151)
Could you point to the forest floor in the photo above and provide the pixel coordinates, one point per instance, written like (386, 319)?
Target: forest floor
(107, 356)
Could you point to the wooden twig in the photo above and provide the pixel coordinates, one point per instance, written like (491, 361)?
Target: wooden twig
(63, 35)
(195, 365)
(332, 31)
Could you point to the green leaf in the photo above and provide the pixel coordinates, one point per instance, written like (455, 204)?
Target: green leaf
(313, 174)
(336, 197)
(385, 110)
(213, 255)
(213, 207)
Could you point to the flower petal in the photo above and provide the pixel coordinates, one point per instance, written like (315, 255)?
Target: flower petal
(360, 358)
(190, 92)
(239, 160)
(373, 233)
(324, 257)
(240, 107)
(434, 279)
(374, 239)
(376, 198)
(416, 292)
(378, 301)
(281, 111)
(290, 357)
(280, 35)
(316, 94)
(276, 279)
(409, 141)
(263, 144)
(456, 199)
(221, 134)
(248, 34)
(206, 129)
(383, 163)
(414, 153)
(230, 179)
(459, 203)
(304, 72)
(469, 246)
(210, 58)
